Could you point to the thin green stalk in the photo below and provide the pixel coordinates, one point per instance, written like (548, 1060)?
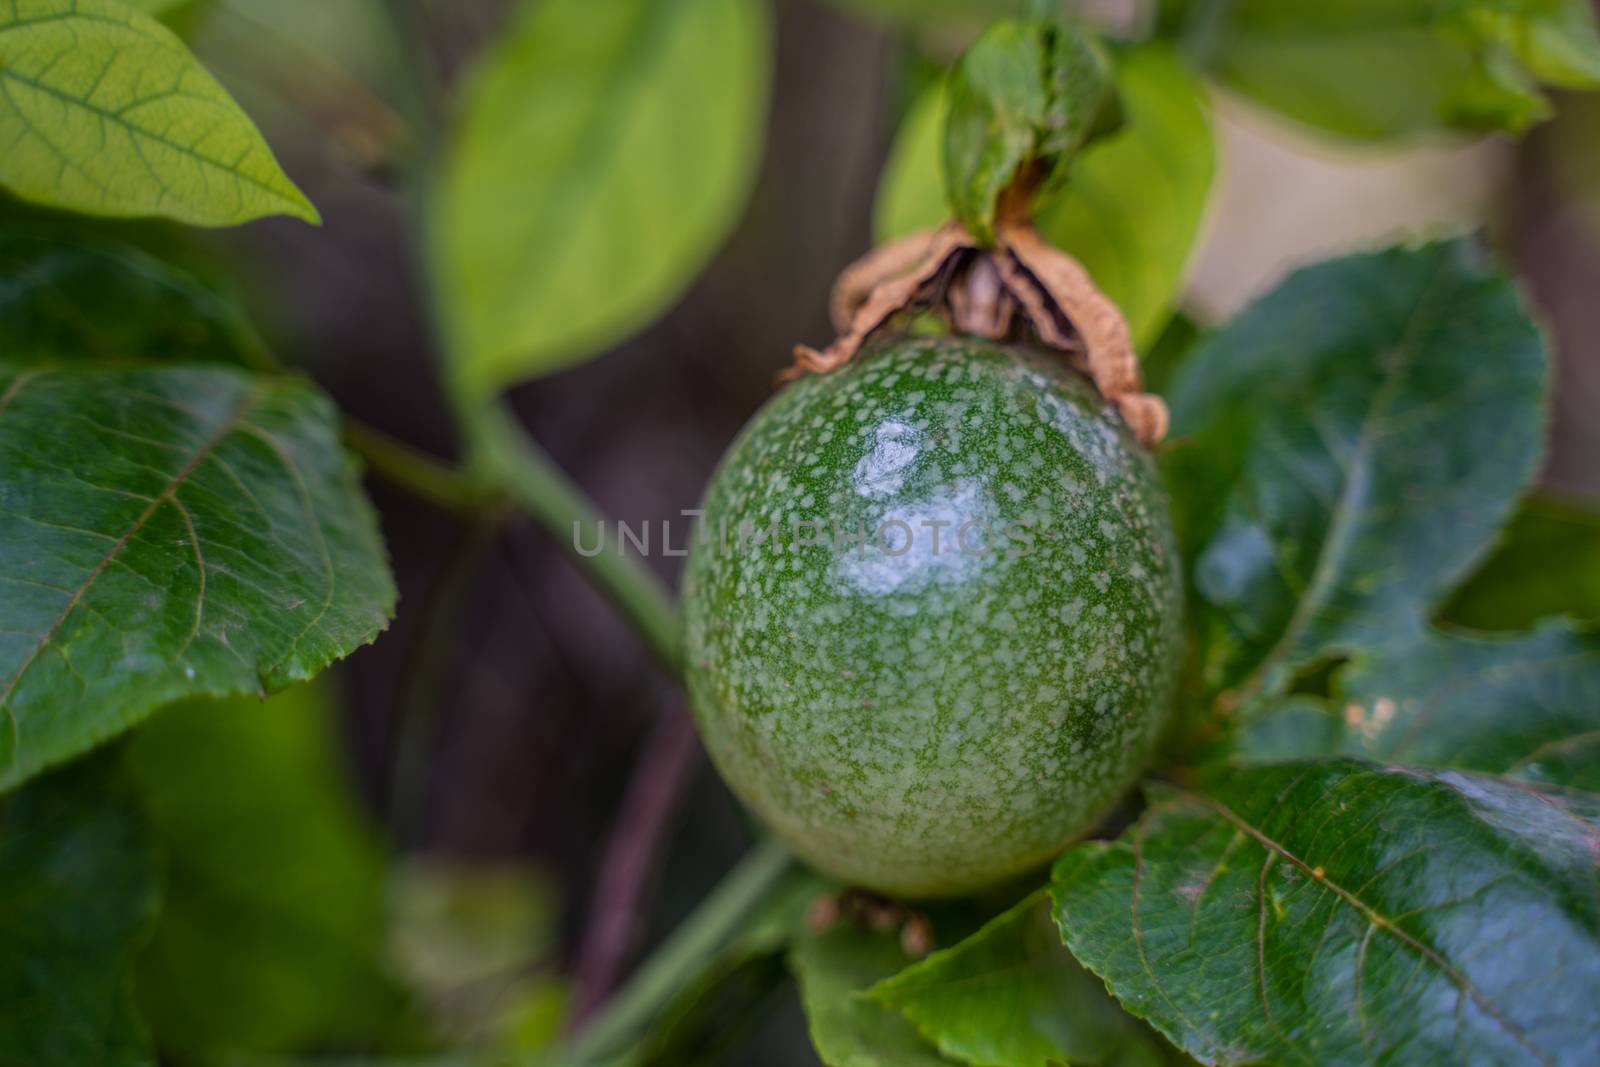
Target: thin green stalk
(411, 469)
(511, 460)
(685, 953)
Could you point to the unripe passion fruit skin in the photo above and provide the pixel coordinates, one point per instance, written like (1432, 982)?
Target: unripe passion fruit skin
(922, 721)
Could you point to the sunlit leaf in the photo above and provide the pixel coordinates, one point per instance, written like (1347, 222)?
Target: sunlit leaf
(1132, 205)
(1011, 995)
(1345, 450)
(271, 933)
(79, 889)
(604, 153)
(1388, 68)
(168, 533)
(103, 110)
(1339, 912)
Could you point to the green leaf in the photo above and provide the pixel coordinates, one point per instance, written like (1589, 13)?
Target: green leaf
(271, 937)
(104, 110)
(66, 296)
(1525, 707)
(605, 151)
(1132, 206)
(168, 533)
(848, 1028)
(1012, 996)
(942, 14)
(1337, 912)
(1345, 450)
(1547, 563)
(1025, 96)
(79, 889)
(1389, 68)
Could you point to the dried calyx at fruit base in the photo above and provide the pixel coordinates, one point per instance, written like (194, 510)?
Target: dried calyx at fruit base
(1025, 98)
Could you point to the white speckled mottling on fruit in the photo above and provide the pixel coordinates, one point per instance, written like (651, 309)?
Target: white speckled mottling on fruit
(926, 722)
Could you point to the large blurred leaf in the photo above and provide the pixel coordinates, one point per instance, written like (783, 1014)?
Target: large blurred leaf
(103, 110)
(604, 153)
(67, 296)
(1547, 563)
(848, 1028)
(1525, 707)
(1385, 68)
(1337, 912)
(167, 533)
(271, 935)
(78, 892)
(1011, 995)
(1133, 202)
(1345, 450)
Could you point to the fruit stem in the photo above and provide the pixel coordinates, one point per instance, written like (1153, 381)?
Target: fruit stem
(684, 954)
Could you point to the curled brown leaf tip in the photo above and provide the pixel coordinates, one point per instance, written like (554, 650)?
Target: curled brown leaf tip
(984, 293)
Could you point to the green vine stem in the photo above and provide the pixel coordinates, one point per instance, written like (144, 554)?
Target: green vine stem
(687, 951)
(509, 459)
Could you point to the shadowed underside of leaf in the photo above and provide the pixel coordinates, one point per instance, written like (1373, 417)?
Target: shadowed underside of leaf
(1345, 450)
(1524, 707)
(604, 153)
(104, 110)
(1338, 912)
(78, 892)
(168, 533)
(66, 296)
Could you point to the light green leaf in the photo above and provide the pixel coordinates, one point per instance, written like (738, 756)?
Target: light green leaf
(605, 151)
(104, 110)
(1025, 96)
(79, 889)
(1010, 995)
(1345, 450)
(1133, 202)
(1547, 563)
(1388, 68)
(1337, 912)
(271, 934)
(1524, 707)
(848, 1028)
(66, 296)
(168, 533)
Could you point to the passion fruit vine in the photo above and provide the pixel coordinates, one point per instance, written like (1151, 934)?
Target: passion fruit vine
(933, 613)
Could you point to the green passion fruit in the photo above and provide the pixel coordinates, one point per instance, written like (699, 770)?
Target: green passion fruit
(933, 613)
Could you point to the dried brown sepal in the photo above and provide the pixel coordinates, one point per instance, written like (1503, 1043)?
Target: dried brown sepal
(982, 292)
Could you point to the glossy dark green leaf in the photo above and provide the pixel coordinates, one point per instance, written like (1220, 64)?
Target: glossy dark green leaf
(271, 936)
(1010, 995)
(1388, 68)
(1547, 563)
(104, 110)
(1345, 450)
(1339, 912)
(1132, 206)
(604, 153)
(167, 533)
(67, 296)
(1024, 95)
(1525, 707)
(849, 1028)
(79, 889)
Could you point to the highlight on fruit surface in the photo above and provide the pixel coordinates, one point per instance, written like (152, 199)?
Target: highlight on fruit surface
(933, 614)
